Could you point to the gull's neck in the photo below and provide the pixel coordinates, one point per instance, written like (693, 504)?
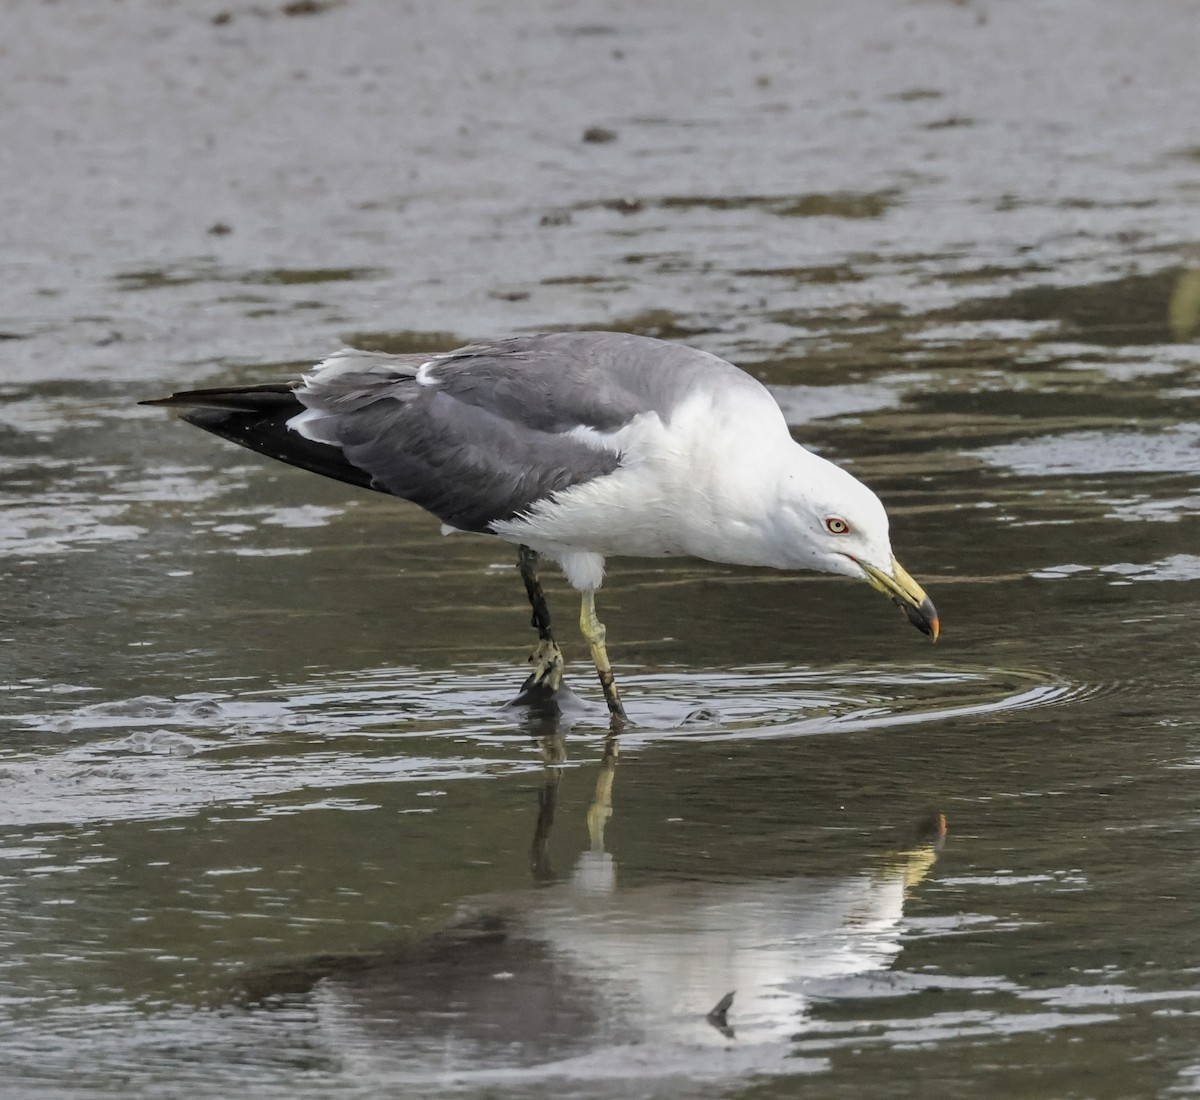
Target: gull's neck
(745, 507)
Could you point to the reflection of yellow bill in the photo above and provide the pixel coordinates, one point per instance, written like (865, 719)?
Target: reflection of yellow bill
(903, 591)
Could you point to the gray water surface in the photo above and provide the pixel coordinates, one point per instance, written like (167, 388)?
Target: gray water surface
(268, 825)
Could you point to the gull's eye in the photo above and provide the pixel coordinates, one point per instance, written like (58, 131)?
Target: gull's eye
(835, 525)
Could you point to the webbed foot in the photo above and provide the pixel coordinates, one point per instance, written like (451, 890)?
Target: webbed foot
(547, 674)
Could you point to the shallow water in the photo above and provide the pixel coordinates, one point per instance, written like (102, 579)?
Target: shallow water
(267, 821)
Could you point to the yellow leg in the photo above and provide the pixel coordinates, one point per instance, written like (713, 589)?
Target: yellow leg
(601, 808)
(593, 631)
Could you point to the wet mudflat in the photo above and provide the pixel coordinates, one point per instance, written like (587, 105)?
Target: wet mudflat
(266, 822)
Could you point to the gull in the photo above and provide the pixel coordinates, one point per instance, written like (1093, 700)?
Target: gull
(575, 447)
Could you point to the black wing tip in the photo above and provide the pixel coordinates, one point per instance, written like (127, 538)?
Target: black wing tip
(257, 418)
(231, 398)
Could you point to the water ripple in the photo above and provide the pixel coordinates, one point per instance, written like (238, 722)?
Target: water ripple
(152, 757)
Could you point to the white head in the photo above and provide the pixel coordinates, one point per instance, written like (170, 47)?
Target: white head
(830, 521)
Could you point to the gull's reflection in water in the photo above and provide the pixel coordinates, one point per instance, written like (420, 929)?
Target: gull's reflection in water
(582, 979)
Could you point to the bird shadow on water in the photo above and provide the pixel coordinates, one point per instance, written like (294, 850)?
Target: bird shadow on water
(579, 983)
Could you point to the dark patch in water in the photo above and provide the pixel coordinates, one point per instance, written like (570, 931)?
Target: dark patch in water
(912, 95)
(987, 273)
(952, 122)
(292, 276)
(584, 280)
(818, 204)
(482, 982)
(156, 278)
(310, 7)
(405, 342)
(660, 323)
(827, 274)
(1133, 310)
(587, 30)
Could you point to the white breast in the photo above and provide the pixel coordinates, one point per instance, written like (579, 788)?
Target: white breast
(697, 485)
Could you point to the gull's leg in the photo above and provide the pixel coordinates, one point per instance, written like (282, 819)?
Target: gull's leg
(547, 659)
(593, 631)
(601, 808)
(554, 754)
(596, 870)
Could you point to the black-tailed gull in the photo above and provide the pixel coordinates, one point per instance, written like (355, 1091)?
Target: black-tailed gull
(575, 446)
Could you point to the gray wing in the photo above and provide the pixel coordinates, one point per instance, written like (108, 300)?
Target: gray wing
(480, 434)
